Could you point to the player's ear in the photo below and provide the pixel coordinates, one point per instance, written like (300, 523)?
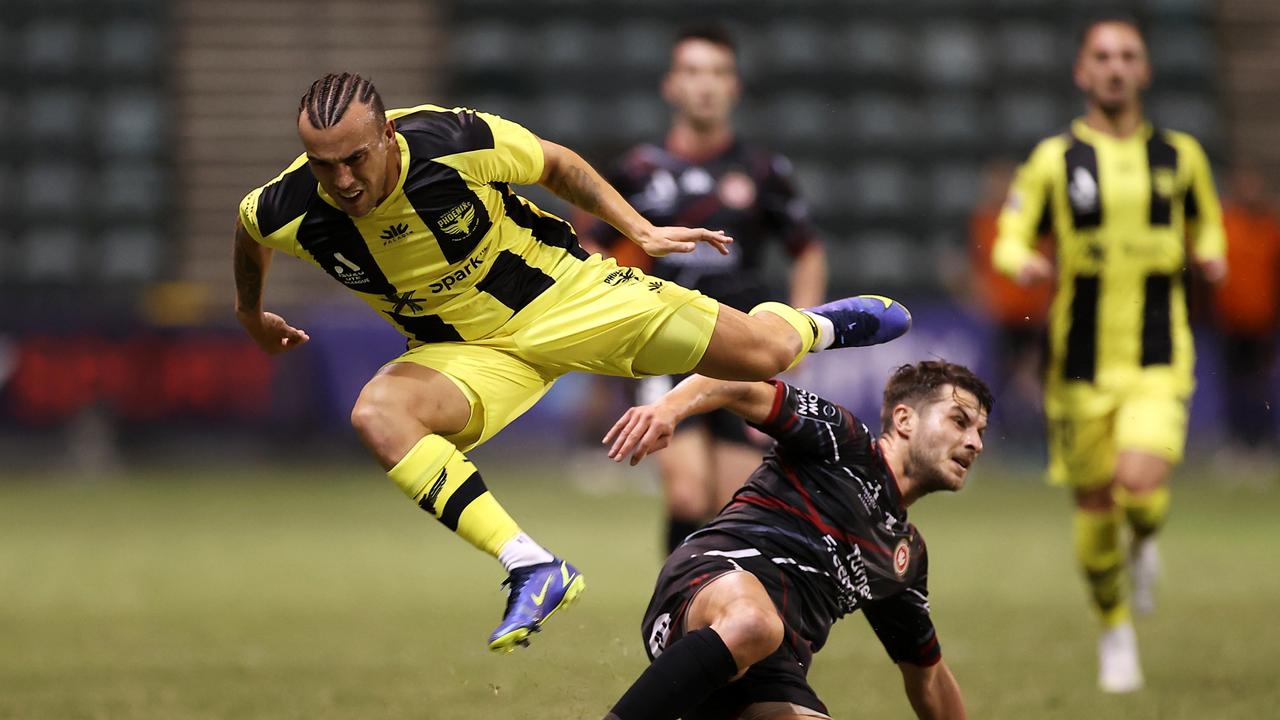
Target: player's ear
(1078, 74)
(389, 130)
(904, 419)
(668, 89)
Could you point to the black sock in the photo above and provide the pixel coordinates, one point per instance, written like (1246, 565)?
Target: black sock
(683, 676)
(678, 529)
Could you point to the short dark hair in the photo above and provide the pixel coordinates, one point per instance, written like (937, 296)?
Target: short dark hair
(714, 34)
(911, 384)
(1096, 20)
(328, 98)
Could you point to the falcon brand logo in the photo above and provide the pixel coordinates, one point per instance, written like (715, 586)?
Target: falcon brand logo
(449, 281)
(901, 557)
(459, 221)
(429, 502)
(394, 233)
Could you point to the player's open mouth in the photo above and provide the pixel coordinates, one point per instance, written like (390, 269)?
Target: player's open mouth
(351, 197)
(962, 462)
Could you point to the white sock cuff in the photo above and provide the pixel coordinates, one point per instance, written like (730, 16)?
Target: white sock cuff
(826, 331)
(521, 551)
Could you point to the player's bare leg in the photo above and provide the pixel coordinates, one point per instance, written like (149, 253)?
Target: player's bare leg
(774, 337)
(1143, 493)
(686, 472)
(738, 608)
(730, 625)
(754, 347)
(403, 415)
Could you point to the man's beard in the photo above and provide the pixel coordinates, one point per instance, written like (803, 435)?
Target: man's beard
(926, 471)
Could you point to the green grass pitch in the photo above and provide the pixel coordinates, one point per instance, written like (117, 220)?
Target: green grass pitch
(322, 593)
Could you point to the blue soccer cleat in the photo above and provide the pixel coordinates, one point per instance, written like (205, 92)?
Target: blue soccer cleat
(865, 320)
(537, 592)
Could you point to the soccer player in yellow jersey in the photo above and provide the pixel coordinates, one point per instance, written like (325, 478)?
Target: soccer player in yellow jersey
(413, 210)
(1121, 197)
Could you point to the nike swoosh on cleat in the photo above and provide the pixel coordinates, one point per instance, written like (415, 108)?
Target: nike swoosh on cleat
(542, 595)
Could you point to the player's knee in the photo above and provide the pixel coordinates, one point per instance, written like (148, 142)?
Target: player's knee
(686, 506)
(753, 632)
(1098, 499)
(687, 497)
(375, 414)
(367, 417)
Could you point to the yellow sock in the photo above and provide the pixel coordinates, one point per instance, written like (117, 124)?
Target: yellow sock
(1097, 539)
(445, 483)
(1146, 511)
(801, 322)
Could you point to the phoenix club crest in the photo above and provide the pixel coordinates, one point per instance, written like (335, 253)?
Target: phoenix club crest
(460, 221)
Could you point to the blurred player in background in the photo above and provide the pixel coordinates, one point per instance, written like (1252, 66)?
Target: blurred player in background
(703, 174)
(412, 210)
(819, 531)
(1018, 314)
(1247, 309)
(1121, 197)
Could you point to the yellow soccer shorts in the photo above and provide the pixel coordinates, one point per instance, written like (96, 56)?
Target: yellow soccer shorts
(605, 319)
(1083, 447)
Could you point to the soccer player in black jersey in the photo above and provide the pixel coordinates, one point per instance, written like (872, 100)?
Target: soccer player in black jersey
(704, 174)
(820, 530)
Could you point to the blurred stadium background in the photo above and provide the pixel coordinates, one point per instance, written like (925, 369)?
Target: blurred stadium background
(188, 529)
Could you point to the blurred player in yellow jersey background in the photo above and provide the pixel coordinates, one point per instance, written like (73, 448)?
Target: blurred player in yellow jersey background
(1121, 196)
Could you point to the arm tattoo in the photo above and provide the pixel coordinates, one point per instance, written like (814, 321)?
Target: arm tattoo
(578, 187)
(248, 269)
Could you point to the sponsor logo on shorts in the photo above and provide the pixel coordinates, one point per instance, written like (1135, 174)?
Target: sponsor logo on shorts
(901, 557)
(622, 276)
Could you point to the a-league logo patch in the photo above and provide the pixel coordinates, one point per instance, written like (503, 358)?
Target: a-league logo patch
(901, 557)
(661, 632)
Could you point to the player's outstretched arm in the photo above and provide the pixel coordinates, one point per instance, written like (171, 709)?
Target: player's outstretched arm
(645, 429)
(566, 174)
(933, 691)
(268, 330)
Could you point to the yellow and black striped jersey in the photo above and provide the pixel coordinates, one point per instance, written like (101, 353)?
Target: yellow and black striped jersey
(1120, 209)
(452, 253)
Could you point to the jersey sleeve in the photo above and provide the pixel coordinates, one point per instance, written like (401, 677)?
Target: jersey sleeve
(249, 214)
(1026, 213)
(1203, 211)
(784, 213)
(271, 213)
(486, 147)
(806, 425)
(904, 627)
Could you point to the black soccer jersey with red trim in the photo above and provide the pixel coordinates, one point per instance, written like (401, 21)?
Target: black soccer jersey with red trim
(824, 508)
(744, 190)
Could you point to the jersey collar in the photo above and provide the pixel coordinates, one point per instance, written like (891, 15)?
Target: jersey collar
(1081, 130)
(390, 198)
